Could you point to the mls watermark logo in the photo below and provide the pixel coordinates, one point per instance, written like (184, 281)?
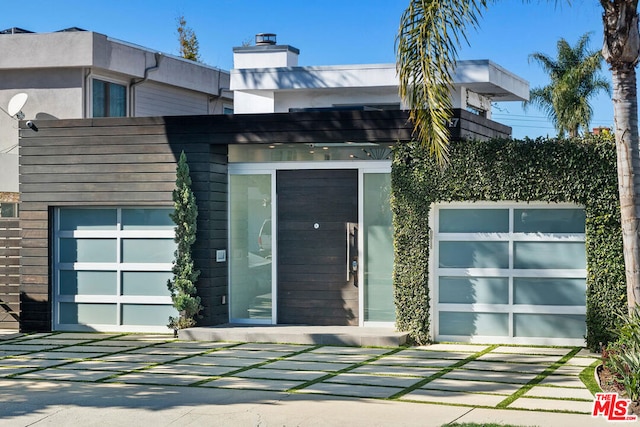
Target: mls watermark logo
(612, 407)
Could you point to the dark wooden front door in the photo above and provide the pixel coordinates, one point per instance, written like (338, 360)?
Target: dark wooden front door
(314, 207)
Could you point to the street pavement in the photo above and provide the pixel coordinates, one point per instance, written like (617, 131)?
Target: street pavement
(124, 379)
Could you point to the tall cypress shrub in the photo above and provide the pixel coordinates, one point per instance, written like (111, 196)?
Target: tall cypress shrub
(182, 285)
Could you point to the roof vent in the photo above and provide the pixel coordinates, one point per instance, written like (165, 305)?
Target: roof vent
(265, 39)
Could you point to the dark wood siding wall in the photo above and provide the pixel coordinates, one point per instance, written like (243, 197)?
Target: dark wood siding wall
(132, 162)
(115, 162)
(9, 273)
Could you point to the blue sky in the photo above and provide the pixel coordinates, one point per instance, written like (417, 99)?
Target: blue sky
(329, 32)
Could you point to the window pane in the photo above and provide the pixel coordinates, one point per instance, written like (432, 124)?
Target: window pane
(8, 210)
(148, 250)
(147, 219)
(146, 314)
(99, 98)
(474, 290)
(556, 291)
(117, 100)
(549, 325)
(88, 314)
(151, 283)
(474, 255)
(251, 247)
(378, 249)
(469, 324)
(549, 220)
(88, 282)
(550, 255)
(474, 220)
(88, 219)
(88, 250)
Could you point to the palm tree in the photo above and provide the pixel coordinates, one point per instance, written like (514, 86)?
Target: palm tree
(430, 33)
(575, 79)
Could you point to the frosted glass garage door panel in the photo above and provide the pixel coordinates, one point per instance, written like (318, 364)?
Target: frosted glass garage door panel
(549, 255)
(88, 219)
(148, 250)
(88, 282)
(87, 250)
(474, 221)
(474, 255)
(147, 219)
(473, 290)
(549, 220)
(88, 314)
(554, 291)
(147, 283)
(549, 325)
(468, 324)
(147, 315)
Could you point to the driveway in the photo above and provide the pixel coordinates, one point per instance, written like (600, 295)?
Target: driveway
(47, 378)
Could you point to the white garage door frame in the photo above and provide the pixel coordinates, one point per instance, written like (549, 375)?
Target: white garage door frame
(517, 312)
(112, 270)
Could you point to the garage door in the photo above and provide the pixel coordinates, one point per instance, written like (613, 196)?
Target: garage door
(510, 274)
(111, 267)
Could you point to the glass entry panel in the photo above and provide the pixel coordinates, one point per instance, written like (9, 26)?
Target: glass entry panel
(250, 279)
(378, 249)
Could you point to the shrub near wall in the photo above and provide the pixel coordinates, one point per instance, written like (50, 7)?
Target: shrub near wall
(580, 171)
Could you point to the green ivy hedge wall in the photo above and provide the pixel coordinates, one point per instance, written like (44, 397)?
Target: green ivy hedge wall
(580, 171)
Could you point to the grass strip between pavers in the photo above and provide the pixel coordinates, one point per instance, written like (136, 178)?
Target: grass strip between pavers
(254, 366)
(444, 371)
(538, 379)
(343, 370)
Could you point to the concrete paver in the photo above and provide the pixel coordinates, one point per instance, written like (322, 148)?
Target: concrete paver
(378, 380)
(453, 398)
(499, 377)
(563, 381)
(466, 348)
(252, 354)
(413, 361)
(396, 370)
(351, 390)
(520, 358)
(266, 373)
(253, 383)
(183, 369)
(218, 361)
(472, 386)
(497, 366)
(67, 375)
(308, 366)
(560, 393)
(551, 351)
(553, 405)
(163, 379)
(99, 365)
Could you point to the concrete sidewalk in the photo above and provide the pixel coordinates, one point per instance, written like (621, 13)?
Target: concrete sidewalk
(117, 379)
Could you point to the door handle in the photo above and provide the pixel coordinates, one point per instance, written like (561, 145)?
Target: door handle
(352, 251)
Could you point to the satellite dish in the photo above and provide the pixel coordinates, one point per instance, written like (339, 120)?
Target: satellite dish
(15, 105)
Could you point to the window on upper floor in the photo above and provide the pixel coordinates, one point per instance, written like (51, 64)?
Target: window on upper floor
(109, 99)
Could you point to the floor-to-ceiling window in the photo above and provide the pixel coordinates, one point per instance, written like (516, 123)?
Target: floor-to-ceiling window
(251, 248)
(377, 233)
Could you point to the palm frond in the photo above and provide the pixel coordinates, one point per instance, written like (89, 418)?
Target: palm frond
(431, 31)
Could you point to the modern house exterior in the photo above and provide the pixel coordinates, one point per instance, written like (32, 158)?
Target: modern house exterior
(74, 73)
(294, 225)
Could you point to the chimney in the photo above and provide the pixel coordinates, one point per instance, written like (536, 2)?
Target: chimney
(265, 54)
(265, 39)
